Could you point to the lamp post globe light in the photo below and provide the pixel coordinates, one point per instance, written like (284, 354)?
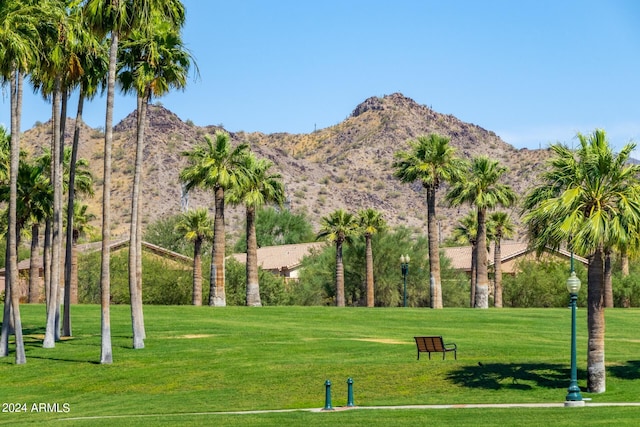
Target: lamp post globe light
(574, 398)
(404, 265)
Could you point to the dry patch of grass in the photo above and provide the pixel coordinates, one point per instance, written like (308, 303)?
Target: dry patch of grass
(380, 340)
(194, 336)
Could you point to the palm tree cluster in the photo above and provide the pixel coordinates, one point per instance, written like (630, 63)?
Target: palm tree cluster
(34, 204)
(499, 226)
(237, 176)
(342, 227)
(588, 201)
(86, 46)
(431, 160)
(483, 190)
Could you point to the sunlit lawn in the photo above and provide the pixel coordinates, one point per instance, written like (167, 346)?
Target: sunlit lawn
(202, 360)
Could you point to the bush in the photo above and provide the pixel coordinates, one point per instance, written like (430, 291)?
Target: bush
(23, 252)
(272, 287)
(278, 227)
(541, 283)
(626, 290)
(162, 281)
(163, 234)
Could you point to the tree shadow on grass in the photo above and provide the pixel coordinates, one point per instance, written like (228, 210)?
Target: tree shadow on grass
(33, 339)
(497, 376)
(61, 359)
(630, 371)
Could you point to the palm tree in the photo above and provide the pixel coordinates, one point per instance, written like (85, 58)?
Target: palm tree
(91, 56)
(339, 227)
(19, 43)
(153, 60)
(256, 188)
(51, 78)
(502, 228)
(35, 200)
(371, 222)
(592, 200)
(482, 190)
(215, 165)
(466, 232)
(32, 203)
(83, 181)
(196, 226)
(432, 162)
(5, 151)
(34, 276)
(117, 18)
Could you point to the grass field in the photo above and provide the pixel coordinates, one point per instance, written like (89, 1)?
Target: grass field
(200, 361)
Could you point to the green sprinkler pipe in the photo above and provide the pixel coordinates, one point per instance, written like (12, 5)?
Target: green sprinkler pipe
(350, 392)
(327, 396)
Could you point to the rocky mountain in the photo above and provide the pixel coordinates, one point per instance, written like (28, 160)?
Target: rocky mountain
(348, 165)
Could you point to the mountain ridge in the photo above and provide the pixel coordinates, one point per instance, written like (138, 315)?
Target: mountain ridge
(347, 165)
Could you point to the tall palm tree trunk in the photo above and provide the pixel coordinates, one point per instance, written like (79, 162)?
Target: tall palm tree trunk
(136, 300)
(434, 248)
(34, 276)
(596, 372)
(46, 261)
(624, 266)
(68, 275)
(482, 274)
(106, 355)
(369, 267)
(50, 334)
(624, 261)
(474, 273)
(197, 272)
(339, 275)
(64, 98)
(253, 284)
(6, 312)
(73, 286)
(497, 269)
(217, 296)
(140, 314)
(12, 282)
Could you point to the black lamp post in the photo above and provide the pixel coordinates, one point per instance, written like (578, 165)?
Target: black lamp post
(574, 398)
(404, 264)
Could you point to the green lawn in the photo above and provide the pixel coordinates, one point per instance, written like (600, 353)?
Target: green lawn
(200, 360)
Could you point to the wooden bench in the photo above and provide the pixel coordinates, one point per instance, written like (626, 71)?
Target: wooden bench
(435, 345)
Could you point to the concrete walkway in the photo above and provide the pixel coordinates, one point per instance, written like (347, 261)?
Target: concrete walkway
(358, 408)
(486, 405)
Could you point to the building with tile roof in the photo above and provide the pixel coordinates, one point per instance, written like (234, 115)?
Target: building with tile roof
(511, 254)
(283, 260)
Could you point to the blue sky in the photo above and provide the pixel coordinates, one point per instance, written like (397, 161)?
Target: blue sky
(533, 71)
